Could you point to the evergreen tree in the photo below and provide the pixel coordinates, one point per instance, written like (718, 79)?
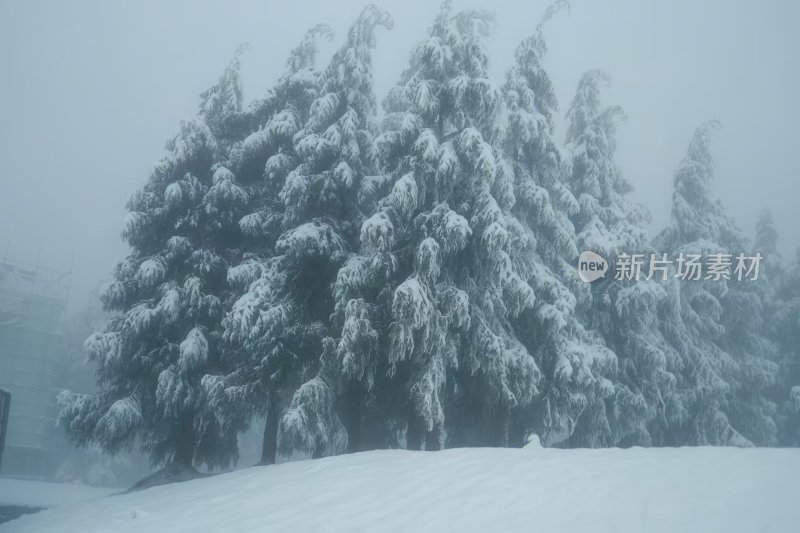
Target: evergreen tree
(286, 312)
(268, 351)
(572, 360)
(746, 305)
(150, 357)
(436, 279)
(779, 290)
(624, 312)
(695, 319)
(786, 332)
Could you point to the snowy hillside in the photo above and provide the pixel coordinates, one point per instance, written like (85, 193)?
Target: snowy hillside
(706, 490)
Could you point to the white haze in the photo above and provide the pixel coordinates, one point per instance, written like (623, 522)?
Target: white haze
(91, 90)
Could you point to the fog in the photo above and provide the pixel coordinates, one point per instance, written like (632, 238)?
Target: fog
(91, 90)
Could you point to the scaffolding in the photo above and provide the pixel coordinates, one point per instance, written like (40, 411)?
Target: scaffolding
(33, 300)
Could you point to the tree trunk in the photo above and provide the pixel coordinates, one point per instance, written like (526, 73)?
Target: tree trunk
(516, 433)
(353, 401)
(269, 447)
(413, 434)
(184, 445)
(433, 439)
(501, 428)
(318, 451)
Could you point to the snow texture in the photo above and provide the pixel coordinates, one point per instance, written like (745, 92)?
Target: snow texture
(708, 490)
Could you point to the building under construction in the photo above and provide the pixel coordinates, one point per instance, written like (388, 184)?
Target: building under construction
(33, 300)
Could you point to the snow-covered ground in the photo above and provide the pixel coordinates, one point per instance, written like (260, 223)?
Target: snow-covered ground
(40, 494)
(708, 490)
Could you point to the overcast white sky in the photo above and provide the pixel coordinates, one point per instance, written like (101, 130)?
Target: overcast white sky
(90, 90)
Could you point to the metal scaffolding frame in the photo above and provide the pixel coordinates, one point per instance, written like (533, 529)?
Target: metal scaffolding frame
(33, 300)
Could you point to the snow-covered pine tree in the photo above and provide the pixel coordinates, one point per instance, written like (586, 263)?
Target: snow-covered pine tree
(765, 243)
(434, 282)
(496, 376)
(784, 321)
(150, 357)
(694, 320)
(222, 105)
(573, 360)
(779, 291)
(624, 312)
(268, 352)
(747, 304)
(286, 311)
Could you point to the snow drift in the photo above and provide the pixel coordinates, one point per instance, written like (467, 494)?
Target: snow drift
(478, 489)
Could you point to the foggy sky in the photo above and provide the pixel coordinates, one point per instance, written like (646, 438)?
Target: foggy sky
(90, 91)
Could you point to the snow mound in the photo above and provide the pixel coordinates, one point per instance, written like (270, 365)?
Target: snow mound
(533, 442)
(709, 490)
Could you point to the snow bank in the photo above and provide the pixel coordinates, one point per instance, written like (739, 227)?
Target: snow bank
(673, 490)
